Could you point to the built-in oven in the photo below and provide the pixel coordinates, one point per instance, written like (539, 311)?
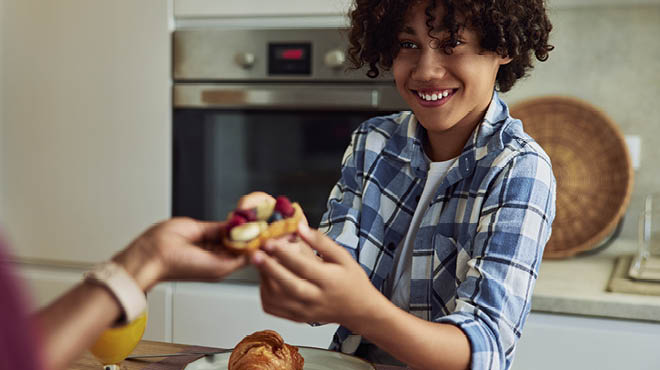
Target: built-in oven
(269, 110)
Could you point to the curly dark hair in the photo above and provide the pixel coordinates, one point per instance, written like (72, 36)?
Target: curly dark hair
(510, 28)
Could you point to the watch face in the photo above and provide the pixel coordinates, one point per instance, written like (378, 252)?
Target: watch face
(104, 271)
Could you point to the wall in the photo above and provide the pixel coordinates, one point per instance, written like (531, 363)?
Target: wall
(86, 125)
(610, 57)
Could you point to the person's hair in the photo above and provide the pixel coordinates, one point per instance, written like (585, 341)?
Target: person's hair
(510, 28)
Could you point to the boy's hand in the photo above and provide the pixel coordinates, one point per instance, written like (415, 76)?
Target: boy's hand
(300, 286)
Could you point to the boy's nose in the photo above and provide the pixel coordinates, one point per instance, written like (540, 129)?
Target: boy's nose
(429, 67)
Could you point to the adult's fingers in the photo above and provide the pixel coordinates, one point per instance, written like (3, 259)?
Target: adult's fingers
(192, 262)
(197, 231)
(329, 250)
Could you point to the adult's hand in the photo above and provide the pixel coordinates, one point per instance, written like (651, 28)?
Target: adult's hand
(303, 287)
(179, 249)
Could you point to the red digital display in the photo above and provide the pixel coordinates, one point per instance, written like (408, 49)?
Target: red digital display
(289, 58)
(292, 54)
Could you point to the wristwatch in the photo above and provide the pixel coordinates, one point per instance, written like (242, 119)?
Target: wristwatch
(112, 276)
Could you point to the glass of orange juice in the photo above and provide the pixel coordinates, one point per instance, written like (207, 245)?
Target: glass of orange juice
(116, 343)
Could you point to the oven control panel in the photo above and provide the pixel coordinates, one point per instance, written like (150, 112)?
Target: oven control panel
(263, 55)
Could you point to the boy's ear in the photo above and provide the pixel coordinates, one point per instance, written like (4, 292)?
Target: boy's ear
(505, 60)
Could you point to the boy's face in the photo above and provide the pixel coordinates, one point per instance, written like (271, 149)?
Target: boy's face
(456, 88)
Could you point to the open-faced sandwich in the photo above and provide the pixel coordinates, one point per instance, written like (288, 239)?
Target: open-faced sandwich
(257, 217)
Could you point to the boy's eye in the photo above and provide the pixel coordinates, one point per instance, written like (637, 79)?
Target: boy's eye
(448, 46)
(454, 44)
(408, 45)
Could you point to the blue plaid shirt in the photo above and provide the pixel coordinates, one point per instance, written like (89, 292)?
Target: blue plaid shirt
(480, 243)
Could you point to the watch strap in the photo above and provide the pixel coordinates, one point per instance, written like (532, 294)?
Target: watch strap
(114, 277)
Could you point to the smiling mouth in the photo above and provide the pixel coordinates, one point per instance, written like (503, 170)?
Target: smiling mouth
(434, 96)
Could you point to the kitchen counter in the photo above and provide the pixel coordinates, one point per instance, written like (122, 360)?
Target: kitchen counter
(578, 286)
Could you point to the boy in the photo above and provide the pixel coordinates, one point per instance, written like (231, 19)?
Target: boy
(446, 208)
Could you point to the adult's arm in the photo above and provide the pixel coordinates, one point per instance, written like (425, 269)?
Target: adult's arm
(178, 249)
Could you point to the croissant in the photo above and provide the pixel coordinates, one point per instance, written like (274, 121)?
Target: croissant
(257, 217)
(265, 350)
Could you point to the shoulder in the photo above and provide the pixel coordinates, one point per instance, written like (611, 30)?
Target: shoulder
(385, 126)
(501, 138)
(377, 131)
(517, 141)
(514, 151)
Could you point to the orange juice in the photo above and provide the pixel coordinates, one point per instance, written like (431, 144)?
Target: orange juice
(115, 344)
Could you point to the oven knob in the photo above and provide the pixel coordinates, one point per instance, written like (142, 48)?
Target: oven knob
(335, 58)
(245, 60)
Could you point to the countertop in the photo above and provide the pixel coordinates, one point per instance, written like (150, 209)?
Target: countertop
(578, 286)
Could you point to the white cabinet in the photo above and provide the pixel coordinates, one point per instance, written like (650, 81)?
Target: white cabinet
(221, 314)
(551, 342)
(585, 3)
(297, 8)
(86, 122)
(252, 8)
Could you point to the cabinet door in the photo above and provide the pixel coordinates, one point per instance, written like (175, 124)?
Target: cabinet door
(221, 314)
(251, 8)
(86, 123)
(551, 342)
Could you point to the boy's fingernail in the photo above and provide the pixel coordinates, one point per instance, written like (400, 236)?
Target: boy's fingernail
(268, 246)
(257, 257)
(303, 227)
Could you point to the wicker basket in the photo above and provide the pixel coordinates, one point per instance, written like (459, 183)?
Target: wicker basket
(592, 166)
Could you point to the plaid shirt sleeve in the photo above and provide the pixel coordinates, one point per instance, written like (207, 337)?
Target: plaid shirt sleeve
(341, 220)
(514, 225)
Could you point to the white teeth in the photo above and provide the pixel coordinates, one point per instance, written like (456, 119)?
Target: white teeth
(434, 96)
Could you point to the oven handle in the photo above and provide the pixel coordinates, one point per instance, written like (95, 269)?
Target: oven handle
(318, 96)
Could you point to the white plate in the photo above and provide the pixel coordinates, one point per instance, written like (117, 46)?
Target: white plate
(315, 359)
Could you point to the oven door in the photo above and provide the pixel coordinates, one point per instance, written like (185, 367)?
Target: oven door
(282, 139)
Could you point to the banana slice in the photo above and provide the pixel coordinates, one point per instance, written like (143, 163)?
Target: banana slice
(247, 231)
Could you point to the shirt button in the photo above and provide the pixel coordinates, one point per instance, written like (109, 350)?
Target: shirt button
(417, 198)
(391, 246)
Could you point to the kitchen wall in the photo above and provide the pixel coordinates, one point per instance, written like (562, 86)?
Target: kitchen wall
(610, 57)
(86, 134)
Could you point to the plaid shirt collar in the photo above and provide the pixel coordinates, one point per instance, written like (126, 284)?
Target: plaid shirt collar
(406, 144)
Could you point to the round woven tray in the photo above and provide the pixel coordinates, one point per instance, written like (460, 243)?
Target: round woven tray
(592, 166)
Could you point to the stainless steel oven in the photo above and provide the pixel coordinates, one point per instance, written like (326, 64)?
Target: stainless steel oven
(269, 110)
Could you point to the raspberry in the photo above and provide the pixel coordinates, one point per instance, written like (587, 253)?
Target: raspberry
(283, 206)
(235, 220)
(248, 214)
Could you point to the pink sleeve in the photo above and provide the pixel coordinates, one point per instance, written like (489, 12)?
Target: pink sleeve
(18, 344)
